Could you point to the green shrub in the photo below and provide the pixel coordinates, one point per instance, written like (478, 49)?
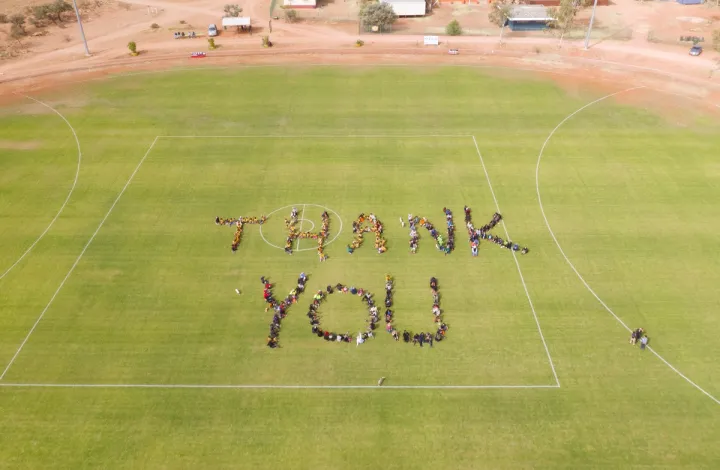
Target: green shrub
(453, 28)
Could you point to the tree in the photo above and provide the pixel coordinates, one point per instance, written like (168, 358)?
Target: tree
(133, 48)
(56, 9)
(291, 15)
(453, 28)
(18, 21)
(211, 44)
(232, 9)
(378, 14)
(563, 17)
(17, 33)
(4, 18)
(499, 12)
(41, 12)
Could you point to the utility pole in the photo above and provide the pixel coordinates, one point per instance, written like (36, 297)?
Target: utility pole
(592, 20)
(82, 32)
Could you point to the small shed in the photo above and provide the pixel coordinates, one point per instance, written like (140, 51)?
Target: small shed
(237, 21)
(300, 3)
(407, 7)
(528, 18)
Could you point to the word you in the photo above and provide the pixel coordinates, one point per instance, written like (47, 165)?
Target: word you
(280, 310)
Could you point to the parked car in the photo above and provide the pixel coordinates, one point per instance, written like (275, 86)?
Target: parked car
(212, 31)
(696, 50)
(453, 52)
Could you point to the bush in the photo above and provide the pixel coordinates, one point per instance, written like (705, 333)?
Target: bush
(154, 26)
(453, 28)
(16, 32)
(211, 43)
(133, 48)
(291, 15)
(18, 20)
(183, 21)
(56, 9)
(4, 18)
(266, 41)
(232, 9)
(377, 14)
(359, 43)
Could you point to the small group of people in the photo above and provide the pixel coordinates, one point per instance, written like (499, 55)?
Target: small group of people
(639, 335)
(483, 233)
(280, 307)
(182, 35)
(239, 222)
(290, 225)
(389, 327)
(323, 235)
(446, 246)
(441, 330)
(294, 233)
(359, 228)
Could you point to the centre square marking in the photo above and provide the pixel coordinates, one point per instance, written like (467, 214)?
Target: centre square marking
(300, 207)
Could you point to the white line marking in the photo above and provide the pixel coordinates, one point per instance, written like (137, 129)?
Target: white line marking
(325, 387)
(72, 188)
(297, 246)
(562, 252)
(311, 136)
(72, 268)
(517, 264)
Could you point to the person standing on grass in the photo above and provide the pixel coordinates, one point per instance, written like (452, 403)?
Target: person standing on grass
(643, 342)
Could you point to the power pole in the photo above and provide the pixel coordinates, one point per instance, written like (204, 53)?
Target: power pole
(592, 20)
(82, 32)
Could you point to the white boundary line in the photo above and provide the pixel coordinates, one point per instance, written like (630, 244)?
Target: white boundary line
(517, 264)
(562, 252)
(297, 246)
(323, 387)
(72, 268)
(314, 136)
(72, 188)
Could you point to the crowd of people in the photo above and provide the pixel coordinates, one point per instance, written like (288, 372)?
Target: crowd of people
(239, 222)
(373, 310)
(442, 244)
(483, 233)
(294, 233)
(280, 307)
(367, 297)
(359, 228)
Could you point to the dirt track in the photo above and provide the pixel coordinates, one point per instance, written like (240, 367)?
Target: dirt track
(658, 67)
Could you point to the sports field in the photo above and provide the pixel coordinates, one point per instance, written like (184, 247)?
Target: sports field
(123, 342)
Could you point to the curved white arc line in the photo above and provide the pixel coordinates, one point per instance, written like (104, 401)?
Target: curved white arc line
(67, 199)
(567, 260)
